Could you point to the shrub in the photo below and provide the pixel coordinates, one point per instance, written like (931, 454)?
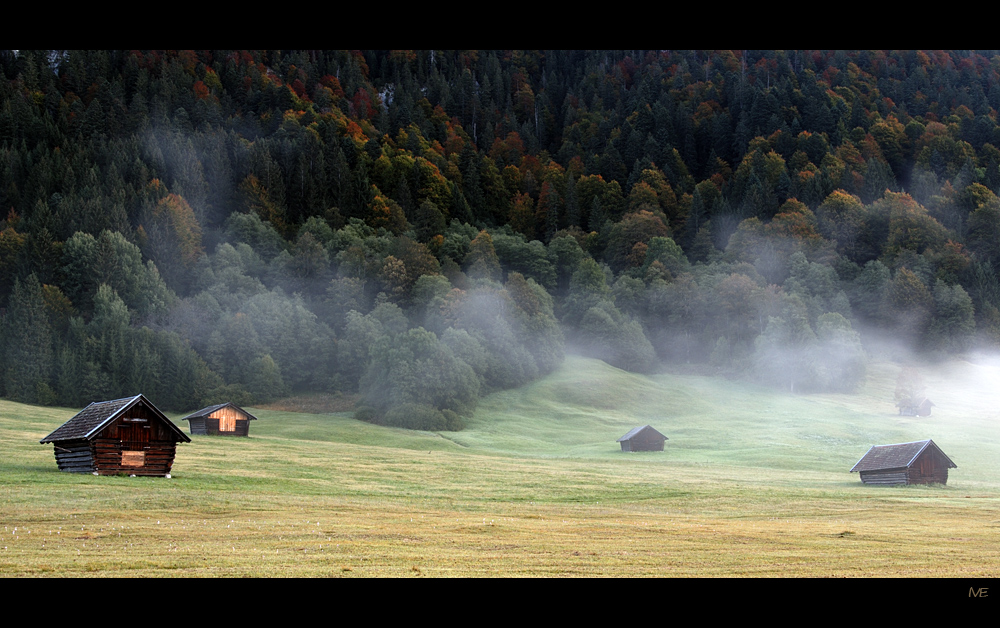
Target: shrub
(416, 416)
(366, 414)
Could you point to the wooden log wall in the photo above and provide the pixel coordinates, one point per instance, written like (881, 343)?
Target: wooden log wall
(647, 442)
(242, 428)
(937, 476)
(158, 458)
(884, 477)
(197, 426)
(74, 457)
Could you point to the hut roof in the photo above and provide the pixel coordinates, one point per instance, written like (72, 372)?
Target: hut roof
(210, 409)
(913, 403)
(97, 415)
(898, 456)
(635, 431)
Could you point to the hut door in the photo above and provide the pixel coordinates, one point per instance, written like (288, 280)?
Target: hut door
(134, 434)
(227, 421)
(926, 466)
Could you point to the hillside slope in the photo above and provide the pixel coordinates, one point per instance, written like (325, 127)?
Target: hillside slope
(752, 482)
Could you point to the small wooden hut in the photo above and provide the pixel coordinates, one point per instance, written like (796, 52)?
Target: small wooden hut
(121, 436)
(643, 438)
(916, 407)
(225, 419)
(920, 462)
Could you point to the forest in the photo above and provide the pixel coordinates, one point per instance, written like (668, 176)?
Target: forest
(420, 228)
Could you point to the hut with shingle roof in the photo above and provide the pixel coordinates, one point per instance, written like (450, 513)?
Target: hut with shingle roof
(643, 438)
(915, 407)
(224, 419)
(919, 462)
(127, 435)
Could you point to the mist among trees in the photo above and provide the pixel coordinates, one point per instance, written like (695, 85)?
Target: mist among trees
(420, 228)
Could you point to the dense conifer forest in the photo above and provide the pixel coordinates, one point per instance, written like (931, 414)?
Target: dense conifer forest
(420, 228)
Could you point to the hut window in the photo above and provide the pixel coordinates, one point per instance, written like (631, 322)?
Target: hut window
(133, 458)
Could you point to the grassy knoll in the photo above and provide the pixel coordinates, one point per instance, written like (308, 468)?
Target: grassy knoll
(752, 482)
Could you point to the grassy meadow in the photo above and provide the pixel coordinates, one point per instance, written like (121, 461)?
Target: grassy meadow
(753, 482)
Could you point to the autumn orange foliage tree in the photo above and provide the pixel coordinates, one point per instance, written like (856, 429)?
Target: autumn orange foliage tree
(173, 237)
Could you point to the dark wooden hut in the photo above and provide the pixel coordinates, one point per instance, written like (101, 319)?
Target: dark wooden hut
(225, 419)
(642, 438)
(920, 462)
(916, 407)
(121, 436)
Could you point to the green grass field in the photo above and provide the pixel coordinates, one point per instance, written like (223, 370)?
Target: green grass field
(753, 482)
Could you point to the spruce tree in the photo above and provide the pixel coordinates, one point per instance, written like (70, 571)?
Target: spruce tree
(27, 345)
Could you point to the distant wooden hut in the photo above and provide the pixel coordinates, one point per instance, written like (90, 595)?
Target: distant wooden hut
(643, 438)
(225, 419)
(121, 436)
(919, 462)
(916, 407)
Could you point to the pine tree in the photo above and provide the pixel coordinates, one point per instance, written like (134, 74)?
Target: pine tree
(572, 204)
(27, 344)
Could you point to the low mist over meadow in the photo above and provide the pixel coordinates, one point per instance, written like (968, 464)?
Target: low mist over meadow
(753, 481)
